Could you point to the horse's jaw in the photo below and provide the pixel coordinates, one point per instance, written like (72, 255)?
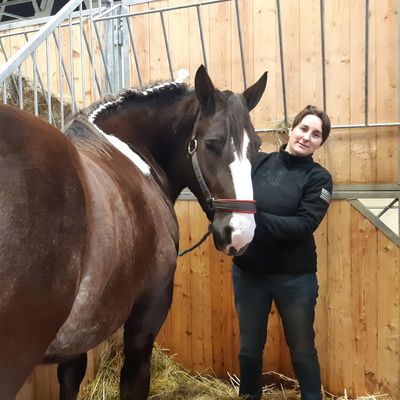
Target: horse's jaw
(232, 232)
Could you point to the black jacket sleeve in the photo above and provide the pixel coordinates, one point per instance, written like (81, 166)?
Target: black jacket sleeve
(311, 211)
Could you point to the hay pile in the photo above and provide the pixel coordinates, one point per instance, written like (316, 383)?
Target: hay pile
(169, 381)
(42, 98)
(172, 382)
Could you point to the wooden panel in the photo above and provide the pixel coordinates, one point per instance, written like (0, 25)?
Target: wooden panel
(363, 301)
(357, 328)
(337, 65)
(266, 59)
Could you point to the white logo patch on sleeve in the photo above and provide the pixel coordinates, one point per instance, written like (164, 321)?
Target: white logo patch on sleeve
(325, 195)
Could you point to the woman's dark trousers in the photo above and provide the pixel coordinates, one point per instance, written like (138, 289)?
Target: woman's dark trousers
(295, 298)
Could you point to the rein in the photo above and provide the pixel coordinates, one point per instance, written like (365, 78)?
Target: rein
(221, 205)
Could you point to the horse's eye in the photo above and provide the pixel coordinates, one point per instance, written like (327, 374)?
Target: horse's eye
(214, 146)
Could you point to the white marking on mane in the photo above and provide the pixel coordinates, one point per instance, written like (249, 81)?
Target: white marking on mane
(126, 151)
(181, 75)
(243, 225)
(117, 143)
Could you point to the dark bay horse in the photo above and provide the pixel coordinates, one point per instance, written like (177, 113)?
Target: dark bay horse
(89, 237)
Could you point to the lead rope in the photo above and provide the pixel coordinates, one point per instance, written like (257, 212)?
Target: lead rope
(205, 236)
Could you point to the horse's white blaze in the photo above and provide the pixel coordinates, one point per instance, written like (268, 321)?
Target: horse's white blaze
(122, 146)
(243, 225)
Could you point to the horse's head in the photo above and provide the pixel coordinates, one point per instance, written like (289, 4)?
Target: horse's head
(222, 146)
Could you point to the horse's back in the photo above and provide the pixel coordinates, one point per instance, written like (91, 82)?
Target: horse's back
(42, 230)
(132, 225)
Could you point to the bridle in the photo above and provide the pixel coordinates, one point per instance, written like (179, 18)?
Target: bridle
(220, 205)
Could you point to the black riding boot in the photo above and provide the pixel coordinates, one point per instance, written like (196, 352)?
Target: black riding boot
(250, 377)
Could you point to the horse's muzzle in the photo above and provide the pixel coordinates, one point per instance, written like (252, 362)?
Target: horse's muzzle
(232, 232)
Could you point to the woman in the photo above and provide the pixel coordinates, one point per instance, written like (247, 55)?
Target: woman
(293, 194)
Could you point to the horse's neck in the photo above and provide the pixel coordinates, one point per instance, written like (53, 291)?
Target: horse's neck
(159, 136)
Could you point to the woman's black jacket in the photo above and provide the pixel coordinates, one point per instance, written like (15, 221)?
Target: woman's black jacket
(293, 195)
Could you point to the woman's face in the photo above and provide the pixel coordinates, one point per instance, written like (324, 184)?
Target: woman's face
(306, 137)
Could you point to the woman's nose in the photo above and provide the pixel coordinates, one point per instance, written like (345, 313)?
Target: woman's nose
(306, 136)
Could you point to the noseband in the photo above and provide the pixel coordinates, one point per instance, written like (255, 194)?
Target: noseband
(221, 205)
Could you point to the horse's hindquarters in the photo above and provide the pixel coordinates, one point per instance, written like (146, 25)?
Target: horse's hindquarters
(42, 232)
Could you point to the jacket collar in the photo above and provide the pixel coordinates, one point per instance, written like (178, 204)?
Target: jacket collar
(292, 160)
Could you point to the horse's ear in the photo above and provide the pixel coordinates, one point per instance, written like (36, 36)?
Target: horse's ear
(205, 90)
(254, 93)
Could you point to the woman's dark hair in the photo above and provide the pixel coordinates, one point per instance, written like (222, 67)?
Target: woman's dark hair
(312, 110)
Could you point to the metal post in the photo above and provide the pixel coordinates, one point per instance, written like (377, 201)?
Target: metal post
(278, 10)
(322, 19)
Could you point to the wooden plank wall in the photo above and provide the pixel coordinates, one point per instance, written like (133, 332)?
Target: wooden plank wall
(358, 314)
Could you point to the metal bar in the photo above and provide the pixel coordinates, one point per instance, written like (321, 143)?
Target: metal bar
(35, 6)
(203, 47)
(349, 126)
(60, 81)
(11, 34)
(165, 9)
(34, 23)
(322, 20)
(91, 62)
(370, 125)
(92, 45)
(2, 8)
(103, 57)
(82, 58)
(20, 89)
(124, 55)
(35, 92)
(11, 15)
(166, 45)
(364, 195)
(37, 70)
(71, 57)
(26, 50)
(50, 116)
(278, 10)
(388, 207)
(366, 60)
(132, 40)
(110, 10)
(4, 92)
(376, 221)
(15, 2)
(381, 187)
(241, 43)
(62, 66)
(6, 58)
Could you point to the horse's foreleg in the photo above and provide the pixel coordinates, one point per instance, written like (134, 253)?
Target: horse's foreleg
(70, 374)
(140, 331)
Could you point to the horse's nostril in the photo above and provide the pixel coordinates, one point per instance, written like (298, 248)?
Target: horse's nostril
(227, 234)
(232, 251)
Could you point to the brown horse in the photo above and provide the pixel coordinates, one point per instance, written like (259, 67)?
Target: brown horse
(89, 236)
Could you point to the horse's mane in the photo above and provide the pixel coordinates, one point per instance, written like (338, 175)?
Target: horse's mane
(162, 91)
(82, 129)
(86, 136)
